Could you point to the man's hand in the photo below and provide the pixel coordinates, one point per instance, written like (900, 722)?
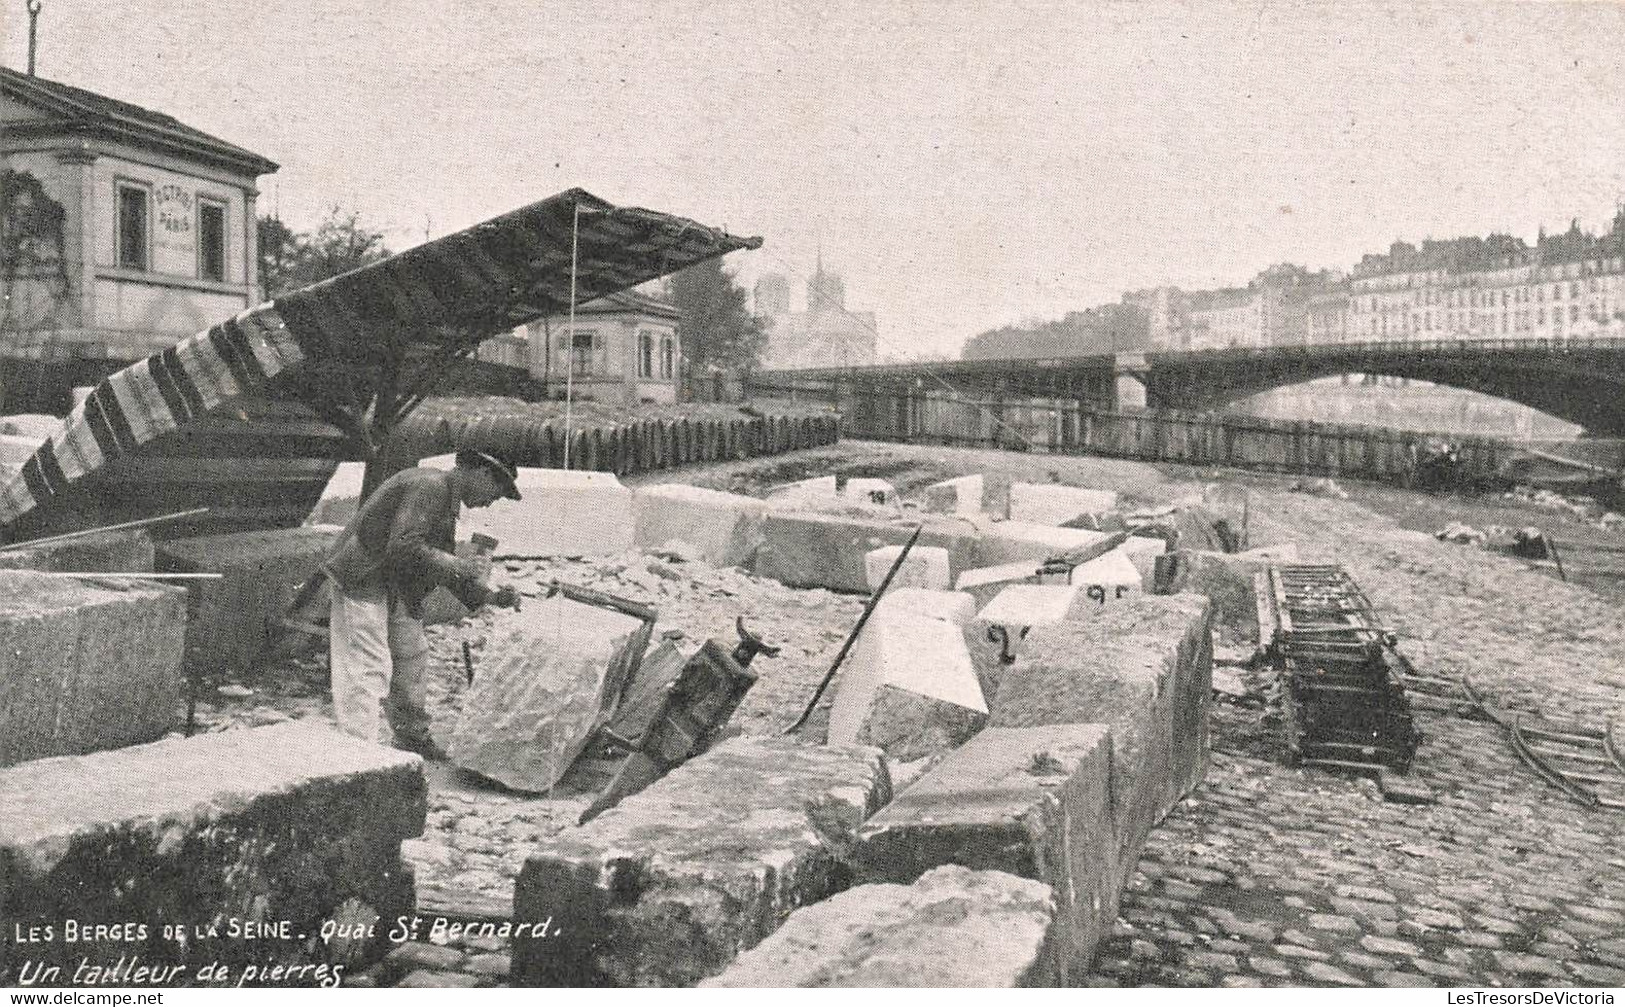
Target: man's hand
(504, 597)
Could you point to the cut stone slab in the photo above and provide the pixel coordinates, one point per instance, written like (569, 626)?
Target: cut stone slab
(908, 687)
(564, 512)
(983, 584)
(996, 495)
(1009, 541)
(543, 682)
(725, 528)
(16, 450)
(106, 552)
(1109, 579)
(341, 498)
(804, 549)
(1143, 552)
(1143, 669)
(229, 623)
(86, 665)
(1002, 625)
(875, 491)
(646, 691)
(1050, 504)
(803, 491)
(669, 886)
(954, 928)
(954, 496)
(1225, 578)
(956, 607)
(1035, 802)
(295, 822)
(926, 566)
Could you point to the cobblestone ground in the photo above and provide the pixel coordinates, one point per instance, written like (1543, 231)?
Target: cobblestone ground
(1270, 875)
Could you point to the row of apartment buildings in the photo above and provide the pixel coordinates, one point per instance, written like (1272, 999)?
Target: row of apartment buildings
(1568, 285)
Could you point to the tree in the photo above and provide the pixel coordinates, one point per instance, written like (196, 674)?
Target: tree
(290, 260)
(715, 328)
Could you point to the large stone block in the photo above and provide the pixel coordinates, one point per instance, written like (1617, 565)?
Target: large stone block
(1227, 580)
(341, 497)
(294, 822)
(953, 928)
(997, 633)
(803, 492)
(954, 496)
(874, 491)
(926, 566)
(1146, 671)
(1143, 551)
(1031, 801)
(229, 619)
(804, 549)
(908, 687)
(86, 665)
(950, 606)
(669, 886)
(562, 513)
(1109, 579)
(1011, 541)
(725, 528)
(1050, 504)
(543, 683)
(106, 552)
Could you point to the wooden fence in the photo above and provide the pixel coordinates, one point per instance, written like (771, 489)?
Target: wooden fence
(623, 448)
(1062, 426)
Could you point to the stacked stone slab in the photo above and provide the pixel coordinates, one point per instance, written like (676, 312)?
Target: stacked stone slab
(106, 552)
(874, 491)
(1144, 670)
(230, 619)
(955, 496)
(925, 567)
(809, 550)
(543, 682)
(908, 687)
(670, 885)
(292, 822)
(983, 584)
(1036, 802)
(725, 529)
(1003, 542)
(953, 928)
(803, 491)
(1226, 579)
(1143, 551)
(86, 665)
(1051, 504)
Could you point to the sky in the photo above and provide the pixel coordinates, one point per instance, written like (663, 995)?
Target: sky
(962, 164)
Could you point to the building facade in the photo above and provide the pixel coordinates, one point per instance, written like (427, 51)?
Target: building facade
(127, 231)
(825, 335)
(623, 349)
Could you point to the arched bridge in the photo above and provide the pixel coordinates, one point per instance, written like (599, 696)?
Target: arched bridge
(1579, 380)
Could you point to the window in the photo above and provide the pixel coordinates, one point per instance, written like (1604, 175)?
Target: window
(646, 355)
(668, 357)
(132, 227)
(211, 241)
(582, 354)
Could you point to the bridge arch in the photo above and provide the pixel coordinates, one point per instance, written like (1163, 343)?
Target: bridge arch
(1582, 382)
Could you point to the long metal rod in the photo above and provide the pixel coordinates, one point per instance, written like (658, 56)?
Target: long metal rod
(143, 522)
(851, 638)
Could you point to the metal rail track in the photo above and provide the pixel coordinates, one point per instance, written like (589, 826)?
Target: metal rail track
(1586, 763)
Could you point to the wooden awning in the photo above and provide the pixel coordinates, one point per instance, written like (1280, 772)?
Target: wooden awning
(331, 344)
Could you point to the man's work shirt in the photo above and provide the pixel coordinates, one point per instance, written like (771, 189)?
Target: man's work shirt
(399, 546)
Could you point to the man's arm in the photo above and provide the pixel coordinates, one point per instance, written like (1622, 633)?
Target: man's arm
(412, 550)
